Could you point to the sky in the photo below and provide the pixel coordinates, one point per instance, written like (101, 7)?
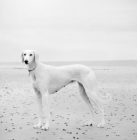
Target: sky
(69, 30)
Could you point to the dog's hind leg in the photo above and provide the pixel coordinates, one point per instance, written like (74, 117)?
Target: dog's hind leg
(90, 86)
(87, 101)
(100, 107)
(92, 97)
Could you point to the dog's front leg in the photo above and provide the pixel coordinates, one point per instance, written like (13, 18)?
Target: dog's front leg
(46, 103)
(39, 101)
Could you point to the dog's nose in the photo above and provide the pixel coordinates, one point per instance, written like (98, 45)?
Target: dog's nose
(26, 61)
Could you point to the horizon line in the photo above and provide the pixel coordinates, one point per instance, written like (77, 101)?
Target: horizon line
(73, 61)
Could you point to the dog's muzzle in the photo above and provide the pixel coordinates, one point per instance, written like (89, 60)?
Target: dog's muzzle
(26, 61)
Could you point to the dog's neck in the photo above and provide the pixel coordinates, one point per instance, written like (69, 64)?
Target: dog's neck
(32, 67)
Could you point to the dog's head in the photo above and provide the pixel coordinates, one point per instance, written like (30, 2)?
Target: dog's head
(29, 56)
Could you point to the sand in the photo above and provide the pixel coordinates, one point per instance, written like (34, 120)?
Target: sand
(19, 111)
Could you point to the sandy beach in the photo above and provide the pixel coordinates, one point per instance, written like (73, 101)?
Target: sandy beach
(19, 111)
(101, 34)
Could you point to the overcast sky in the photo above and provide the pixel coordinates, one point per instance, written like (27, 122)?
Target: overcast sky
(69, 30)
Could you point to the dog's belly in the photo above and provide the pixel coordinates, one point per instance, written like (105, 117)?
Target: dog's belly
(61, 76)
(56, 87)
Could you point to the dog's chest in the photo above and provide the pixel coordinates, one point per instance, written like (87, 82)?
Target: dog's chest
(33, 76)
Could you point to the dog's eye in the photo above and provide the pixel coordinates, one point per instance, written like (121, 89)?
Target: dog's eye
(24, 54)
(30, 54)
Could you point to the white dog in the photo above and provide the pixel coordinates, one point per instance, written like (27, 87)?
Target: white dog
(49, 79)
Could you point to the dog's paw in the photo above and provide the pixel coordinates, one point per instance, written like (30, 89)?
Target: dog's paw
(101, 125)
(89, 123)
(45, 127)
(37, 126)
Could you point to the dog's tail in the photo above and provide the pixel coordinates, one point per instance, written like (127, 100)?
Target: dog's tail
(104, 99)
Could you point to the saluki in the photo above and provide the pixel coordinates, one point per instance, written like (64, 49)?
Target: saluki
(49, 79)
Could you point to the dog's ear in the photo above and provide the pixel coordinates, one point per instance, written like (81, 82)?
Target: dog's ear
(36, 56)
(22, 58)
